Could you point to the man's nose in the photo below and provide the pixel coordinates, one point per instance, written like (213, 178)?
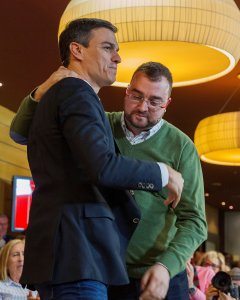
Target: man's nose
(117, 57)
(143, 105)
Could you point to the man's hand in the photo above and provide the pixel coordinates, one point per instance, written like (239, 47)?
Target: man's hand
(155, 283)
(61, 73)
(175, 187)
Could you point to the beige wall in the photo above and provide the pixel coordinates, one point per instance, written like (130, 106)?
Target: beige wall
(13, 161)
(13, 157)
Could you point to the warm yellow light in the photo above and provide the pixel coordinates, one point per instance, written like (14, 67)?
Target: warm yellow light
(188, 55)
(197, 40)
(217, 139)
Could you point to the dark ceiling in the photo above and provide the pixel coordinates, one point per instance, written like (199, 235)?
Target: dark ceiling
(29, 54)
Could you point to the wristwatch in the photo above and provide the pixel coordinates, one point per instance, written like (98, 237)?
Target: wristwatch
(192, 290)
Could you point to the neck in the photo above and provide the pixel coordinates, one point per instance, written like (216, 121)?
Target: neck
(84, 76)
(15, 277)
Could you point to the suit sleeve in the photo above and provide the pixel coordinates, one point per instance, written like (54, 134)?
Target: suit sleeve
(88, 134)
(21, 123)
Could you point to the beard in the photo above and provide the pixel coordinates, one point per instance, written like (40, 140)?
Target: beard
(140, 121)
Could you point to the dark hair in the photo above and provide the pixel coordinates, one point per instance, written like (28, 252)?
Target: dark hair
(154, 71)
(79, 31)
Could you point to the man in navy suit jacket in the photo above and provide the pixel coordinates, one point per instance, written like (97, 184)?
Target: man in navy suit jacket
(82, 217)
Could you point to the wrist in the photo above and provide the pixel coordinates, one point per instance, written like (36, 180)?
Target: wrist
(165, 267)
(192, 290)
(37, 94)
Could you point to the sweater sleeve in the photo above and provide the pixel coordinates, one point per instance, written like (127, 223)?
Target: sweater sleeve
(21, 123)
(190, 213)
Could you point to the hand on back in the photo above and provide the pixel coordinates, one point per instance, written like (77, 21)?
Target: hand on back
(56, 76)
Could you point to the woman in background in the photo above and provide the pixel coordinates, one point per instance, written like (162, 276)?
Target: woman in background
(214, 259)
(11, 265)
(199, 279)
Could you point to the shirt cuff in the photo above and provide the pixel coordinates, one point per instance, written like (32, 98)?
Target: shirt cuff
(32, 95)
(165, 174)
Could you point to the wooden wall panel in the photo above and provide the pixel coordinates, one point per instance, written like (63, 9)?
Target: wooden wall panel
(13, 157)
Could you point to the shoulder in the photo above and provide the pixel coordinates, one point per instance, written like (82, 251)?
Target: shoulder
(2, 283)
(115, 121)
(114, 116)
(68, 87)
(71, 84)
(176, 131)
(179, 137)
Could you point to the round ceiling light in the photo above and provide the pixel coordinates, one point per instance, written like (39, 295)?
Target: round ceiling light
(217, 139)
(197, 40)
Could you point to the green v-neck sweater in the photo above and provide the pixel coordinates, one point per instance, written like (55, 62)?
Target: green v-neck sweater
(165, 235)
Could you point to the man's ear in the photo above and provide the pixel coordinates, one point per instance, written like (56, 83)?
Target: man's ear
(76, 50)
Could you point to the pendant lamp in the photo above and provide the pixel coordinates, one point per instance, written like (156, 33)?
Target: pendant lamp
(217, 139)
(198, 40)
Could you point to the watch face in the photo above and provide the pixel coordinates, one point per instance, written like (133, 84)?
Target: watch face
(192, 290)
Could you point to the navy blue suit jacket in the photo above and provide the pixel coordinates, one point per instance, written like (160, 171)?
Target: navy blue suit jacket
(81, 216)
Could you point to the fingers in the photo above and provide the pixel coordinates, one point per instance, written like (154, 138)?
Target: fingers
(175, 187)
(63, 72)
(173, 198)
(56, 76)
(144, 280)
(154, 283)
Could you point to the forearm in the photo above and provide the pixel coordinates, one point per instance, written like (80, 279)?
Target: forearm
(191, 221)
(21, 123)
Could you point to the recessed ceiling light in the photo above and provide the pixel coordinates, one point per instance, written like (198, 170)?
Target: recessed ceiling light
(216, 183)
(223, 203)
(230, 207)
(1, 84)
(207, 194)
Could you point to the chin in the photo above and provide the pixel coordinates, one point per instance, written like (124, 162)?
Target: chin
(109, 82)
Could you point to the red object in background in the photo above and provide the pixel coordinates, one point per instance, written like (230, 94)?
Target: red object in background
(22, 199)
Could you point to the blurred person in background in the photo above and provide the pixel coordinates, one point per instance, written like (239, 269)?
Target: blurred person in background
(199, 279)
(235, 275)
(214, 259)
(4, 237)
(11, 266)
(228, 260)
(235, 281)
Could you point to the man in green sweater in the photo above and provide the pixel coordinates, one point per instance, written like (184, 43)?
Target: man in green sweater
(165, 237)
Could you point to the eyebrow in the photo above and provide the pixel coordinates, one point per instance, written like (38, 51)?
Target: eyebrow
(113, 46)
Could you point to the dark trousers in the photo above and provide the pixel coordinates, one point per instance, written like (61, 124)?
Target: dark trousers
(78, 290)
(178, 289)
